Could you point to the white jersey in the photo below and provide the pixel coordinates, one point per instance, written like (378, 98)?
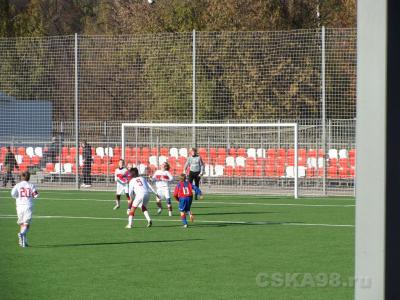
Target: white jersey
(24, 192)
(119, 173)
(162, 178)
(140, 186)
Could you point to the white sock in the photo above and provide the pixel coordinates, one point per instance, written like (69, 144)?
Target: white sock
(130, 220)
(146, 214)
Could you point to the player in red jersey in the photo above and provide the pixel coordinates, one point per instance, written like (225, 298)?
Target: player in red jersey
(184, 192)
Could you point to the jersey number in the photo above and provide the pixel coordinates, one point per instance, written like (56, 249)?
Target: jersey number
(185, 191)
(139, 182)
(25, 192)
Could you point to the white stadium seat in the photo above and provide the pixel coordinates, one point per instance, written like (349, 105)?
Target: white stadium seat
(251, 152)
(39, 151)
(343, 153)
(230, 161)
(219, 170)
(333, 153)
(240, 161)
(68, 168)
(100, 151)
(30, 152)
(261, 152)
(183, 152)
(173, 152)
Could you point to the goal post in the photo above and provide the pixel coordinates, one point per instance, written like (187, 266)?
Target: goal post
(257, 158)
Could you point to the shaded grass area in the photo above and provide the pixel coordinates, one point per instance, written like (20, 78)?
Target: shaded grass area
(233, 250)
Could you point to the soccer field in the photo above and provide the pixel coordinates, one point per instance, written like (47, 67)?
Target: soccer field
(239, 247)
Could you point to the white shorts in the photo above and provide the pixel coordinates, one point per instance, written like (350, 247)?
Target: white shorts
(122, 188)
(163, 193)
(141, 200)
(24, 214)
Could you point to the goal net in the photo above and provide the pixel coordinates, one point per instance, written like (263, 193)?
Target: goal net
(239, 158)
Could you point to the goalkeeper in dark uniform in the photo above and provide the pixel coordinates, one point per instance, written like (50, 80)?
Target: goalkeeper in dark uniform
(9, 164)
(196, 167)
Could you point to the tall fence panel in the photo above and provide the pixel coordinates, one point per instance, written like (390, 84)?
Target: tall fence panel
(206, 77)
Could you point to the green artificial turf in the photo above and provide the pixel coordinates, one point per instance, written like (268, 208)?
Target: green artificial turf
(239, 247)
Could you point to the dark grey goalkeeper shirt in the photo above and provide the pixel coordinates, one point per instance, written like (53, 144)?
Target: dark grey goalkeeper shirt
(195, 163)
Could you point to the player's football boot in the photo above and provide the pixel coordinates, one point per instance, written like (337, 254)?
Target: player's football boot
(128, 226)
(150, 223)
(159, 211)
(191, 217)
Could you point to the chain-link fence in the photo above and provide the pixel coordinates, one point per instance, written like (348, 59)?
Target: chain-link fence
(56, 91)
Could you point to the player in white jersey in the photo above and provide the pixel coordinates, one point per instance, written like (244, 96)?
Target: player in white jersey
(162, 179)
(122, 177)
(140, 189)
(24, 193)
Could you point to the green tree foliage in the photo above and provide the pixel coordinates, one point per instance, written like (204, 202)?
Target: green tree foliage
(141, 74)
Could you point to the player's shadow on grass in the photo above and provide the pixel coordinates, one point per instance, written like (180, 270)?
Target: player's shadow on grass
(227, 223)
(114, 243)
(237, 213)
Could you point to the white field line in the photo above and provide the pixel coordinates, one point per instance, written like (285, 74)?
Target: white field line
(177, 220)
(215, 202)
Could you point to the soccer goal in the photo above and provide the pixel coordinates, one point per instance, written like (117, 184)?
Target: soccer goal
(239, 158)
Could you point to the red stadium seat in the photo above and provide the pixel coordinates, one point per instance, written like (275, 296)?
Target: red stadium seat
(220, 160)
(258, 170)
(301, 161)
(154, 151)
(202, 152)
(344, 172)
(164, 151)
(352, 161)
(35, 160)
(239, 171)
(271, 152)
(270, 171)
(290, 152)
(213, 154)
(182, 160)
(310, 172)
(352, 171)
(228, 171)
(96, 169)
(97, 159)
(332, 171)
(261, 161)
(249, 171)
(352, 153)
(232, 152)
(117, 151)
(333, 162)
(281, 152)
(302, 152)
(221, 152)
(280, 160)
(65, 151)
(242, 152)
(49, 167)
(21, 151)
(343, 162)
(312, 153)
(72, 151)
(250, 162)
(280, 170)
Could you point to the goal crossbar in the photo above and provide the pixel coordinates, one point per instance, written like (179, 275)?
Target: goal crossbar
(221, 125)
